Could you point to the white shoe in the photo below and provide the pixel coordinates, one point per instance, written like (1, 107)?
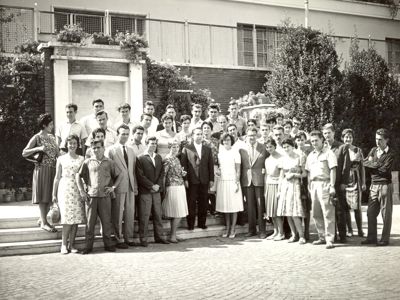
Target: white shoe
(64, 249)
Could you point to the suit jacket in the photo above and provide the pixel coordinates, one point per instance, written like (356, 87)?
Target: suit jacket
(342, 155)
(177, 125)
(128, 174)
(147, 174)
(199, 170)
(251, 171)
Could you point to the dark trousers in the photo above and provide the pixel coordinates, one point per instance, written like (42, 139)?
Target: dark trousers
(198, 194)
(341, 211)
(98, 206)
(358, 217)
(150, 203)
(380, 200)
(255, 208)
(212, 203)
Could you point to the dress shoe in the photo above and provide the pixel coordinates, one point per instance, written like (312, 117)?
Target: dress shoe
(329, 245)
(302, 241)
(279, 237)
(368, 242)
(122, 246)
(203, 227)
(361, 234)
(131, 244)
(87, 251)
(232, 235)
(173, 241)
(190, 227)
(110, 249)
(249, 234)
(342, 240)
(144, 243)
(161, 241)
(318, 242)
(262, 235)
(64, 250)
(382, 243)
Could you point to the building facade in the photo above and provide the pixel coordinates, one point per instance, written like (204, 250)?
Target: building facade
(227, 46)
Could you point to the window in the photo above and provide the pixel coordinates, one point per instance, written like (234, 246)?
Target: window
(90, 21)
(124, 23)
(264, 44)
(393, 47)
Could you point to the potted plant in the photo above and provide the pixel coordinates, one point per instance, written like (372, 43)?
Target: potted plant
(71, 34)
(135, 45)
(19, 194)
(9, 195)
(28, 194)
(101, 38)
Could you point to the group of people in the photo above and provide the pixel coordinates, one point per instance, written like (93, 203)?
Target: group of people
(259, 169)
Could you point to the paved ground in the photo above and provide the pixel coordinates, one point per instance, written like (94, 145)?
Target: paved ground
(211, 268)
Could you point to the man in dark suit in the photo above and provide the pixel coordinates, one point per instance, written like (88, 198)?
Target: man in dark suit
(340, 151)
(198, 162)
(150, 176)
(176, 126)
(252, 181)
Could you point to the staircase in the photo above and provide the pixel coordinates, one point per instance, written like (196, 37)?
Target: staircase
(20, 234)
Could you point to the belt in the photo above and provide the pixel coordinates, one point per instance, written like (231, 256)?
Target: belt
(320, 180)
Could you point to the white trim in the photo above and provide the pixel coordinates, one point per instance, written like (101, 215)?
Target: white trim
(64, 57)
(98, 78)
(220, 67)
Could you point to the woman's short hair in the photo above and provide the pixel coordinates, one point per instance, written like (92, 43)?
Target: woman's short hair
(288, 141)
(226, 136)
(44, 120)
(185, 118)
(300, 134)
(151, 138)
(271, 142)
(347, 131)
(173, 142)
(207, 123)
(70, 138)
(383, 132)
(96, 131)
(254, 121)
(166, 117)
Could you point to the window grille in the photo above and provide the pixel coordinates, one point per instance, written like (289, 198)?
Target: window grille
(132, 24)
(393, 47)
(245, 45)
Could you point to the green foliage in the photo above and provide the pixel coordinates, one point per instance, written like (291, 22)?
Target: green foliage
(163, 80)
(21, 101)
(102, 39)
(305, 78)
(135, 45)
(71, 34)
(371, 97)
(30, 47)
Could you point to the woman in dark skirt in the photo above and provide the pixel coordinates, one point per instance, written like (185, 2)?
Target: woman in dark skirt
(44, 172)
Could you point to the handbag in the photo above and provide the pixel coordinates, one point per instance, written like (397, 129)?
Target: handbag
(36, 157)
(54, 214)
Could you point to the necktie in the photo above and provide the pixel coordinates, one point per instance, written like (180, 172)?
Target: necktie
(125, 156)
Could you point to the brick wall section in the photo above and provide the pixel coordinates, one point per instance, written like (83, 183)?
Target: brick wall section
(82, 67)
(226, 83)
(48, 81)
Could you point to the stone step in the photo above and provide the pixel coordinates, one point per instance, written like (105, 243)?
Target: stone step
(23, 234)
(53, 245)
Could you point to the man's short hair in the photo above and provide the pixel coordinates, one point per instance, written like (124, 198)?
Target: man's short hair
(251, 130)
(149, 103)
(288, 122)
(251, 121)
(97, 141)
(328, 126)
(196, 128)
(278, 127)
(207, 123)
(231, 125)
(124, 106)
(185, 118)
(144, 115)
(233, 102)
(97, 101)
(101, 112)
(214, 106)
(222, 116)
(170, 106)
(317, 133)
(150, 138)
(383, 132)
(347, 131)
(137, 127)
(97, 130)
(166, 117)
(196, 105)
(73, 106)
(300, 134)
(123, 126)
(264, 125)
(279, 115)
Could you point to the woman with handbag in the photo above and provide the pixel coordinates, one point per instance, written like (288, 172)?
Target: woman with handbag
(42, 149)
(66, 193)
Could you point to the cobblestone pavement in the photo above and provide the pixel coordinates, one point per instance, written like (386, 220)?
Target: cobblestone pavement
(211, 268)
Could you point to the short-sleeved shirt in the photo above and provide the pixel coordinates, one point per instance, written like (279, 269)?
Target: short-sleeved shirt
(216, 126)
(194, 124)
(319, 164)
(110, 139)
(240, 124)
(98, 175)
(138, 149)
(66, 129)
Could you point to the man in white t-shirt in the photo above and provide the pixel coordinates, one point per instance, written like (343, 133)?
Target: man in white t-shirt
(89, 121)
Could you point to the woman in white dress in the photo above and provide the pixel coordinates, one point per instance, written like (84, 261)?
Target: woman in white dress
(165, 136)
(174, 204)
(66, 193)
(289, 202)
(229, 194)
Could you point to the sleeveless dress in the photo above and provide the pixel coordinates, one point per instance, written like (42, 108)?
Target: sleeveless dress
(289, 202)
(228, 201)
(174, 204)
(44, 172)
(72, 207)
(272, 173)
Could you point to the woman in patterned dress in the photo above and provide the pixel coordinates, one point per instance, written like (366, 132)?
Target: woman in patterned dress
(43, 174)
(289, 202)
(165, 136)
(66, 193)
(174, 203)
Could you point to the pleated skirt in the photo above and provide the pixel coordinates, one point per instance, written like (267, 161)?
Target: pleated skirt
(42, 184)
(175, 204)
(271, 200)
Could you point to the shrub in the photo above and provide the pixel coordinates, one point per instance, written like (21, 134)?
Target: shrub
(71, 34)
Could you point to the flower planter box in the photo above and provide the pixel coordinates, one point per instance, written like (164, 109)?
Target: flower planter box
(19, 197)
(28, 195)
(101, 40)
